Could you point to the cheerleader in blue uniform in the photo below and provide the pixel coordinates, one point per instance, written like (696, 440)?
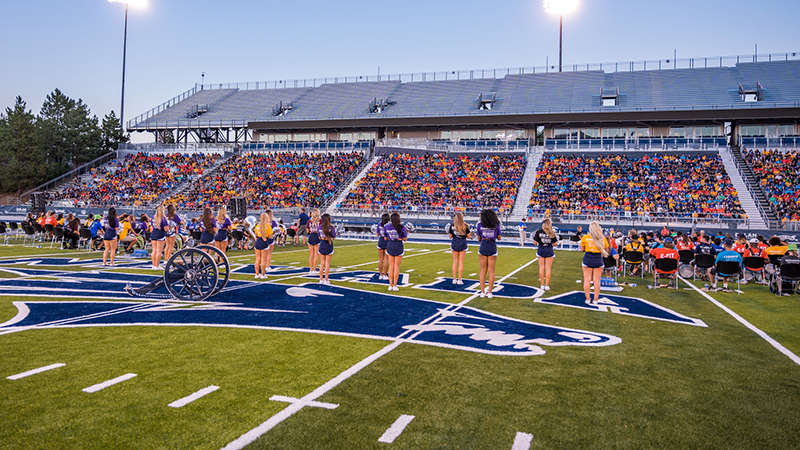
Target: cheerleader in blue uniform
(328, 234)
(263, 233)
(488, 234)
(459, 232)
(383, 260)
(158, 236)
(395, 234)
(224, 225)
(312, 226)
(174, 221)
(111, 227)
(209, 227)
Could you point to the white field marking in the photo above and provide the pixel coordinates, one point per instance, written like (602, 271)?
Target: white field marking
(522, 441)
(515, 271)
(440, 272)
(35, 371)
(283, 398)
(24, 311)
(473, 274)
(105, 384)
(404, 258)
(396, 429)
(409, 270)
(744, 322)
(189, 399)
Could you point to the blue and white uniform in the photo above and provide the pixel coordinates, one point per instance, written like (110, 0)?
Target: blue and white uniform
(174, 225)
(207, 236)
(394, 247)
(325, 246)
(222, 230)
(488, 238)
(110, 229)
(458, 241)
(313, 232)
(382, 242)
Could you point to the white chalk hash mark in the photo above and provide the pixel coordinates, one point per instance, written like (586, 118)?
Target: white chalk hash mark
(283, 398)
(522, 441)
(396, 429)
(105, 384)
(189, 399)
(35, 371)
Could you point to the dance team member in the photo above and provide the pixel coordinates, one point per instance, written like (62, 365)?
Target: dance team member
(489, 232)
(396, 234)
(110, 226)
(224, 225)
(595, 247)
(158, 237)
(312, 227)
(270, 240)
(325, 246)
(174, 221)
(545, 239)
(459, 232)
(263, 232)
(383, 260)
(209, 226)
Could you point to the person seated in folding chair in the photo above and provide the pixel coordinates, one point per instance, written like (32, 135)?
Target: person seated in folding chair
(727, 255)
(703, 247)
(664, 251)
(788, 271)
(756, 268)
(633, 254)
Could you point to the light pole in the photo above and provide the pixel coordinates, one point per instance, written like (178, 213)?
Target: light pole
(124, 54)
(560, 7)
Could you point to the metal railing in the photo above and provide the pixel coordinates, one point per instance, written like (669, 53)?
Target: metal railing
(176, 148)
(25, 196)
(162, 107)
(750, 189)
(769, 142)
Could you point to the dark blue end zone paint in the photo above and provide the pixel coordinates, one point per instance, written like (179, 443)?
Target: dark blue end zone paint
(617, 304)
(473, 286)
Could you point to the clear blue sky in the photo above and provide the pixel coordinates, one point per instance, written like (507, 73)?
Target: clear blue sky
(76, 45)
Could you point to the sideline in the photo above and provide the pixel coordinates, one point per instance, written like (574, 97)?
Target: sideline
(749, 325)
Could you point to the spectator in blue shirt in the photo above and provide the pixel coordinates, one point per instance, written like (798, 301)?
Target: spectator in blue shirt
(727, 255)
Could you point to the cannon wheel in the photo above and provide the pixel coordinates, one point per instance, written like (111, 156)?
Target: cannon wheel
(191, 275)
(223, 265)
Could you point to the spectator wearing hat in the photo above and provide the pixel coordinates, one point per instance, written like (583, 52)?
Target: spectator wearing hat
(727, 255)
(755, 250)
(790, 257)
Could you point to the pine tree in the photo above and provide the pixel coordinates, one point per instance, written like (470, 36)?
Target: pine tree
(22, 164)
(111, 134)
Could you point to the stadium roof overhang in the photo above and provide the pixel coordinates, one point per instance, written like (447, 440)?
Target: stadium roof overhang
(527, 120)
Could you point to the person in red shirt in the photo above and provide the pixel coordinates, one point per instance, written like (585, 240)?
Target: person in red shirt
(684, 243)
(666, 251)
(755, 250)
(741, 244)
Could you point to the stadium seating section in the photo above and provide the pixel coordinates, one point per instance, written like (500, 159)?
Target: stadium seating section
(674, 183)
(778, 174)
(438, 182)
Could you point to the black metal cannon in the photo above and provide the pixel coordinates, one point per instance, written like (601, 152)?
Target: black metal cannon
(191, 274)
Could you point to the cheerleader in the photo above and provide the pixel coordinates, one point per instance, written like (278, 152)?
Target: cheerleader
(383, 260)
(110, 226)
(209, 225)
(488, 234)
(224, 225)
(174, 225)
(158, 237)
(595, 247)
(312, 226)
(459, 232)
(264, 233)
(270, 240)
(395, 234)
(325, 246)
(545, 240)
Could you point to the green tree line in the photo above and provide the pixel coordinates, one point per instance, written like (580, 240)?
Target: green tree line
(35, 149)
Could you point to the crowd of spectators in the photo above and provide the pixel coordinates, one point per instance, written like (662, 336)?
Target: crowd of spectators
(439, 182)
(777, 172)
(136, 180)
(654, 185)
(272, 180)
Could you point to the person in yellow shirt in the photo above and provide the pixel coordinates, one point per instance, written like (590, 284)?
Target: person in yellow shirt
(595, 247)
(776, 248)
(127, 236)
(263, 233)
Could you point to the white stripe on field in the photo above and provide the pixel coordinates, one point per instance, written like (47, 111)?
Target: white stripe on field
(35, 371)
(522, 441)
(744, 322)
(396, 429)
(189, 399)
(105, 384)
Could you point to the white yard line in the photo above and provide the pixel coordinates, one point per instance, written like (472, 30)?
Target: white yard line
(35, 371)
(105, 384)
(749, 325)
(190, 398)
(396, 429)
(522, 441)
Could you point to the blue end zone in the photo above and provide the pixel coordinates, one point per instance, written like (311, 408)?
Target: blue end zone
(473, 287)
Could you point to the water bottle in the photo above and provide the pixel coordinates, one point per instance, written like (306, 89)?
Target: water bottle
(633, 285)
(705, 286)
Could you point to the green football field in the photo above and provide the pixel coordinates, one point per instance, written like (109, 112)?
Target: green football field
(734, 383)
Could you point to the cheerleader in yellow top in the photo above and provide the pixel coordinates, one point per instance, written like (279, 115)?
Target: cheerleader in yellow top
(263, 234)
(593, 260)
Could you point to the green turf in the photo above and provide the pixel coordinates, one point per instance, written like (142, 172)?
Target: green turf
(666, 385)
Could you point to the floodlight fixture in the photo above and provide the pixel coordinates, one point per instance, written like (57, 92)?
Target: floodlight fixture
(560, 7)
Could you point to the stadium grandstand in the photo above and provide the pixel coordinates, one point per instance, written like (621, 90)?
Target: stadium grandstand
(688, 141)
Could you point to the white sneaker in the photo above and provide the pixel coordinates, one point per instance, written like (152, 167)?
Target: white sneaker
(311, 272)
(258, 276)
(397, 289)
(154, 267)
(460, 281)
(391, 288)
(489, 295)
(483, 294)
(455, 281)
(547, 288)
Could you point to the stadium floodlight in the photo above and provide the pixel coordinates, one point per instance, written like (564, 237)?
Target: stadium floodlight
(136, 3)
(560, 7)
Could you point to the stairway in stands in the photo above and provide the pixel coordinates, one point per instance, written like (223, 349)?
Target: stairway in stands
(184, 185)
(755, 186)
(526, 185)
(349, 183)
(747, 187)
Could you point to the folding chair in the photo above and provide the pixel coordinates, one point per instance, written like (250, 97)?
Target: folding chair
(665, 265)
(632, 259)
(731, 268)
(38, 231)
(30, 232)
(3, 232)
(610, 264)
(702, 264)
(685, 256)
(14, 227)
(58, 235)
(47, 232)
(754, 268)
(85, 238)
(786, 273)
